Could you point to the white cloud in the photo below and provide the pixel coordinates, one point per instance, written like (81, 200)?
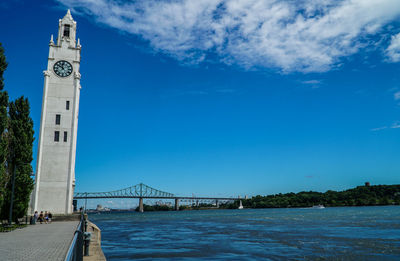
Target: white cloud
(378, 129)
(301, 35)
(315, 84)
(397, 95)
(395, 125)
(393, 52)
(195, 92)
(312, 82)
(226, 90)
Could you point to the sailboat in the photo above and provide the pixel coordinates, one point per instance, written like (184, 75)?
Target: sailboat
(240, 205)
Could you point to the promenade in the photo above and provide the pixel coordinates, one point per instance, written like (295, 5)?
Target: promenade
(38, 242)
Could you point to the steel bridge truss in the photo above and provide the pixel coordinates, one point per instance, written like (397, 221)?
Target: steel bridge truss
(138, 191)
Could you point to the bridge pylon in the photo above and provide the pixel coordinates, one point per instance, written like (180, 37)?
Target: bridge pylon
(141, 209)
(176, 204)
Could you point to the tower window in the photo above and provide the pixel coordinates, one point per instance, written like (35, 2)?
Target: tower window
(66, 30)
(65, 136)
(67, 105)
(57, 136)
(58, 119)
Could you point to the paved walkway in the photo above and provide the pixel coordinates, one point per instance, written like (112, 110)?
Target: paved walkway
(38, 242)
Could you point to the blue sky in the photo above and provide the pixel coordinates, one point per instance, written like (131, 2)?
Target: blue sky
(222, 98)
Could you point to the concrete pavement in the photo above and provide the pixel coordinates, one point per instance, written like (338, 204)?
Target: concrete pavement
(38, 242)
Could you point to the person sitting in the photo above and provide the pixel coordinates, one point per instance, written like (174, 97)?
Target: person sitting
(46, 217)
(41, 217)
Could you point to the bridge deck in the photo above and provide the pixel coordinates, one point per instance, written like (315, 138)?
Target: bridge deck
(177, 197)
(140, 191)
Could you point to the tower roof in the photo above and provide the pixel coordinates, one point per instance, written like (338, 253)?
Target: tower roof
(68, 15)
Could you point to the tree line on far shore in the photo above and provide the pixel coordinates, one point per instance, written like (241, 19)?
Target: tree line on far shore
(16, 150)
(377, 195)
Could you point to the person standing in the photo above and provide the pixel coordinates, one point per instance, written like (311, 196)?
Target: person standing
(50, 216)
(35, 217)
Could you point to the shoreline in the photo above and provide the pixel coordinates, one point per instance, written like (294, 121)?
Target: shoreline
(172, 210)
(95, 251)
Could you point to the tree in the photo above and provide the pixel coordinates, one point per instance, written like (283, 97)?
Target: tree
(3, 66)
(359, 196)
(19, 157)
(3, 129)
(16, 150)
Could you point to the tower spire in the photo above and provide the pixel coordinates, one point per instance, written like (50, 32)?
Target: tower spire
(67, 30)
(68, 15)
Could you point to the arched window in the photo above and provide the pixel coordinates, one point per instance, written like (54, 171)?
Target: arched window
(66, 30)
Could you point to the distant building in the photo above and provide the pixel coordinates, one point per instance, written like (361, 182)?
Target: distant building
(162, 203)
(367, 184)
(101, 208)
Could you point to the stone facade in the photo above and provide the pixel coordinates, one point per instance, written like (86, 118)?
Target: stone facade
(55, 171)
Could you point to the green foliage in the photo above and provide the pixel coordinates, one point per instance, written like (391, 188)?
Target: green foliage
(16, 148)
(3, 66)
(359, 196)
(147, 208)
(233, 205)
(12, 227)
(4, 177)
(21, 129)
(20, 156)
(184, 207)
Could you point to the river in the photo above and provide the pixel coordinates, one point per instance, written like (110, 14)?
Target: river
(345, 233)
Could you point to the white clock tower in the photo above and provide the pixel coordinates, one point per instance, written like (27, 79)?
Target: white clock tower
(55, 173)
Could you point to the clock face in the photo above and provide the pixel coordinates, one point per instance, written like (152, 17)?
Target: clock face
(62, 68)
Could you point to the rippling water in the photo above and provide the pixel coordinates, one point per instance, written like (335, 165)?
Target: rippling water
(350, 233)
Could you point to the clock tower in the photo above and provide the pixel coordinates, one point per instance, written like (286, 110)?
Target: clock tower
(55, 170)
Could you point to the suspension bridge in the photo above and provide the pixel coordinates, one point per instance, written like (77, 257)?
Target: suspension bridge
(142, 191)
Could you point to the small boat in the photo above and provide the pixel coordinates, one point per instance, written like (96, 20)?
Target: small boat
(240, 205)
(318, 207)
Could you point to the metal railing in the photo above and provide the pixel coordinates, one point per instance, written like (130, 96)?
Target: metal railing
(75, 251)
